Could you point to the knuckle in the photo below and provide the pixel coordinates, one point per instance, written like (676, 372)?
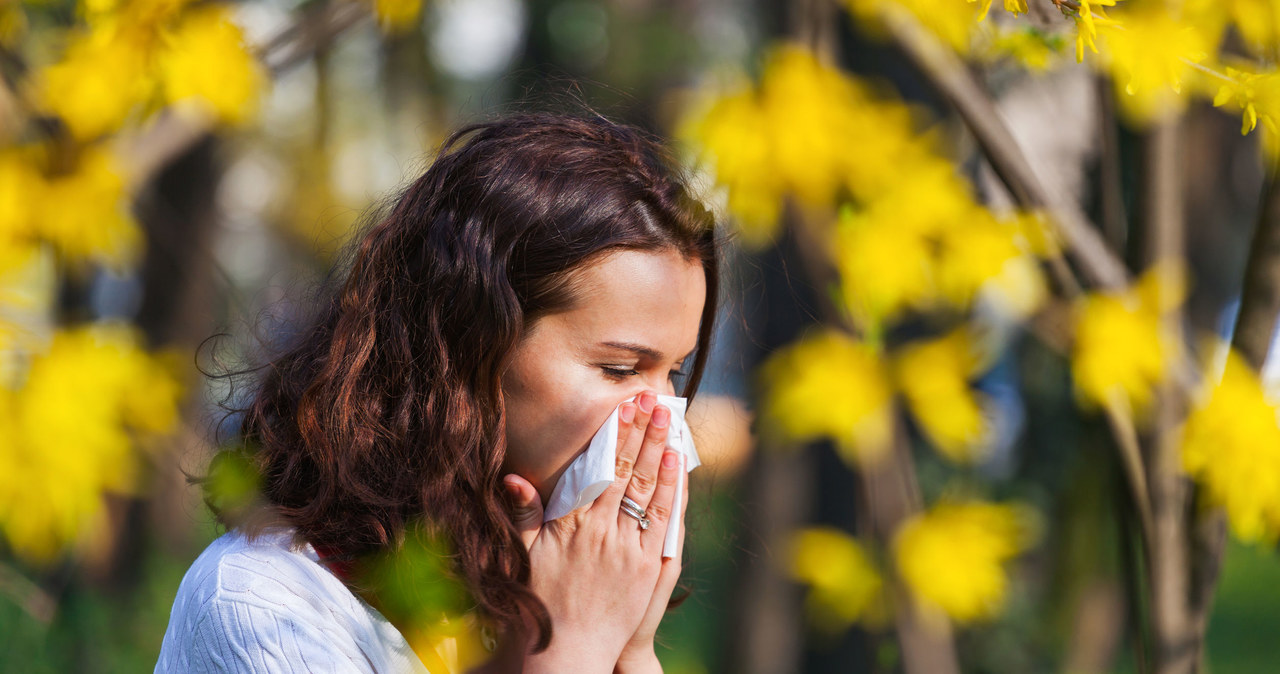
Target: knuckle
(643, 482)
(658, 511)
(624, 467)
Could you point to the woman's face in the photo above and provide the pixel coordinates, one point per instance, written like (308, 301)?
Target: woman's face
(635, 322)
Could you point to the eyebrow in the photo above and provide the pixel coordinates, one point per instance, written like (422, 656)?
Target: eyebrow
(652, 354)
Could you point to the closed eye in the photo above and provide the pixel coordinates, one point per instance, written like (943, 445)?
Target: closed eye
(622, 373)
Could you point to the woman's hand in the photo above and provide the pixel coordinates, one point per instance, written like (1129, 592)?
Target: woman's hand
(603, 579)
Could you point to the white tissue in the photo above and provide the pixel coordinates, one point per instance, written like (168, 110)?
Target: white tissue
(594, 470)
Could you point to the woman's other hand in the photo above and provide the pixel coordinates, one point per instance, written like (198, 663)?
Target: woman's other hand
(604, 580)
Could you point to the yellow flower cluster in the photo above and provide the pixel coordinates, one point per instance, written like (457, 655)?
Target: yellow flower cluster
(1121, 350)
(1257, 95)
(833, 386)
(844, 584)
(909, 235)
(953, 556)
(82, 213)
(830, 385)
(794, 134)
(934, 377)
(1151, 56)
(951, 22)
(72, 432)
(135, 54)
(1231, 446)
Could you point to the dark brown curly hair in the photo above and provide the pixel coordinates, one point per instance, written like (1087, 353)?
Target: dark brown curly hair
(388, 409)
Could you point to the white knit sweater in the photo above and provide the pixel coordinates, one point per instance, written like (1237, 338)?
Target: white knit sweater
(265, 607)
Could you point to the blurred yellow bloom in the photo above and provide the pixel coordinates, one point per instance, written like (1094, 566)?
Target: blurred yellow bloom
(68, 435)
(830, 385)
(1088, 18)
(1014, 6)
(926, 240)
(20, 200)
(1256, 94)
(1258, 22)
(844, 585)
(100, 81)
(207, 65)
(85, 212)
(1149, 58)
(809, 109)
(885, 268)
(951, 21)
(952, 557)
(1231, 446)
(934, 378)
(983, 255)
(736, 134)
(397, 16)
(1121, 349)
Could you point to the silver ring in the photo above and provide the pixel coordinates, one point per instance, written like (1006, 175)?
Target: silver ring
(633, 509)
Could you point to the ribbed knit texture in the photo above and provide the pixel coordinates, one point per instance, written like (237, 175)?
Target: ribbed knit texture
(264, 607)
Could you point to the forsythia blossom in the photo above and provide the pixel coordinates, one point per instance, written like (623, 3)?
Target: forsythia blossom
(934, 378)
(953, 556)
(844, 585)
(1121, 349)
(1231, 446)
(833, 386)
(67, 435)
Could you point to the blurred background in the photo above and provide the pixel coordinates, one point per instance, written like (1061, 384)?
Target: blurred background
(172, 171)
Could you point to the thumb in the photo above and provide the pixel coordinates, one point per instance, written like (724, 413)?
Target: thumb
(526, 507)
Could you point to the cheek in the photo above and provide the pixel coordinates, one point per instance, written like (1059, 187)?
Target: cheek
(548, 431)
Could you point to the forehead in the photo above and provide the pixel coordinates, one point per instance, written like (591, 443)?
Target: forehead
(651, 298)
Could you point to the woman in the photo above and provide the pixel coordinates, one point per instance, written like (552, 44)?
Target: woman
(543, 271)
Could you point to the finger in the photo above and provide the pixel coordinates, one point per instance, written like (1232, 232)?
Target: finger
(608, 501)
(659, 508)
(526, 507)
(644, 478)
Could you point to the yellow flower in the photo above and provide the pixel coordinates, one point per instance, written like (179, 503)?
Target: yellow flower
(934, 378)
(20, 197)
(1150, 57)
(952, 557)
(1121, 349)
(735, 133)
(980, 255)
(206, 65)
(844, 585)
(1014, 6)
(1258, 22)
(1088, 17)
(1256, 94)
(810, 109)
(69, 435)
(100, 81)
(85, 212)
(951, 21)
(885, 269)
(829, 385)
(1231, 446)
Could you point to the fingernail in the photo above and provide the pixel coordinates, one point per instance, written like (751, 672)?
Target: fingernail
(628, 413)
(646, 402)
(661, 416)
(511, 487)
(668, 459)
